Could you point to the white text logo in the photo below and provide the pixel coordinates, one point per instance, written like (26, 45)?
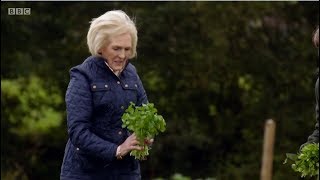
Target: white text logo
(19, 11)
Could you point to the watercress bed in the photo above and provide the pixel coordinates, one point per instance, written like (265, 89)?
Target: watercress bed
(145, 123)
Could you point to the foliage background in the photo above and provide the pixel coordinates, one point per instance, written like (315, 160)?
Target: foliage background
(215, 70)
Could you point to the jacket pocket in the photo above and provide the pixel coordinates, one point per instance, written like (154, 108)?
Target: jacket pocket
(131, 91)
(103, 104)
(87, 163)
(99, 90)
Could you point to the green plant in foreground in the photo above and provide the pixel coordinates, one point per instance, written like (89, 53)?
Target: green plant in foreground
(306, 162)
(145, 123)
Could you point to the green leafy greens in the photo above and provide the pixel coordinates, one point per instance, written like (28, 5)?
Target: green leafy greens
(307, 161)
(145, 123)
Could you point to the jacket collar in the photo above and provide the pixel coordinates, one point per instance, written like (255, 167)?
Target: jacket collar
(101, 62)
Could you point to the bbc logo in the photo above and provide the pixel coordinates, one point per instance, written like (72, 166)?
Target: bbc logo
(19, 11)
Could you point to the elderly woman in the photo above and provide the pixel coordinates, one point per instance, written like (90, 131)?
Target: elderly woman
(99, 91)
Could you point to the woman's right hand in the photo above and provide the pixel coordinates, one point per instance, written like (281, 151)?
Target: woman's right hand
(131, 143)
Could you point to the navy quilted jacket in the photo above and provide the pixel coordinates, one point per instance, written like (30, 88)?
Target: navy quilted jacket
(96, 99)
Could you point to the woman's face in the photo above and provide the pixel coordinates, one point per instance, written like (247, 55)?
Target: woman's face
(117, 51)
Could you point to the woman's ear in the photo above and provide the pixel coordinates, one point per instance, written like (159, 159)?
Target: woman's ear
(100, 51)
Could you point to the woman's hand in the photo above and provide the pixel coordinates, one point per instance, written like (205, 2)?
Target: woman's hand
(131, 143)
(149, 142)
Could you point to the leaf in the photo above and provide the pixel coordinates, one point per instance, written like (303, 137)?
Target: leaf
(292, 156)
(305, 162)
(145, 122)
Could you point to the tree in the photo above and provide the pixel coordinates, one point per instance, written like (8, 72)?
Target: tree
(215, 71)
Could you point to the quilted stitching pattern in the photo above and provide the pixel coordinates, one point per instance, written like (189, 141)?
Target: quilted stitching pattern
(96, 100)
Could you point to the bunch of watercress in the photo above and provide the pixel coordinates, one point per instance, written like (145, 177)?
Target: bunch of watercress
(306, 161)
(145, 123)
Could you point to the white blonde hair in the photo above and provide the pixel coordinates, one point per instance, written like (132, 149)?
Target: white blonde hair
(110, 24)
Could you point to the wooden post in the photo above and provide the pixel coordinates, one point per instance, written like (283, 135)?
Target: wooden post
(267, 157)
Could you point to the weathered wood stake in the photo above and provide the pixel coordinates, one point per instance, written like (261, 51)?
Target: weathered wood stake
(267, 157)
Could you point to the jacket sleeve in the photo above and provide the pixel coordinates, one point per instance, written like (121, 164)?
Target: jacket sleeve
(79, 111)
(314, 137)
(142, 95)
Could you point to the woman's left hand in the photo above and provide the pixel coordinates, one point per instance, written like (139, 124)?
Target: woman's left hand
(149, 142)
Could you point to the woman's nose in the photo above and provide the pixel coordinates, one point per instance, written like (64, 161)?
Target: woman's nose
(122, 54)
